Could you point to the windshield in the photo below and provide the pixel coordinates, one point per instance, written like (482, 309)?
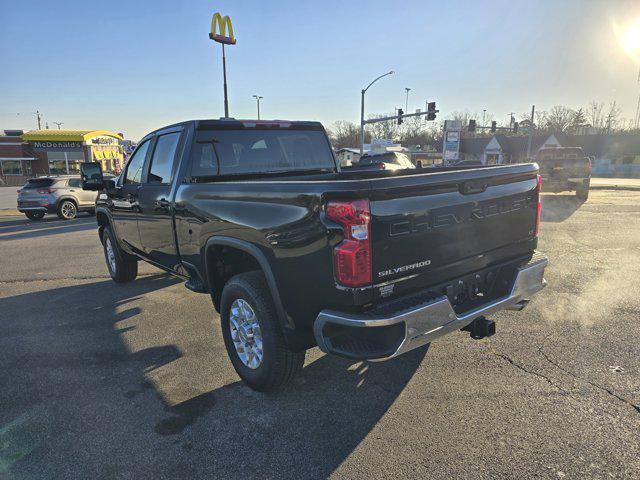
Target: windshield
(238, 152)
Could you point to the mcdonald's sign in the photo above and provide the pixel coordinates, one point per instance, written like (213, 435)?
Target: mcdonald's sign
(219, 27)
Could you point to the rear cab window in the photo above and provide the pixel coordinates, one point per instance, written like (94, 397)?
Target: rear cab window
(163, 158)
(254, 151)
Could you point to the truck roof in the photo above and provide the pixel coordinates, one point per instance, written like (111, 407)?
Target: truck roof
(243, 123)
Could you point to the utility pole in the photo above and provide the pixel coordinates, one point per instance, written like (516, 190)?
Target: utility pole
(258, 98)
(363, 91)
(533, 111)
(511, 120)
(484, 111)
(406, 106)
(59, 124)
(39, 117)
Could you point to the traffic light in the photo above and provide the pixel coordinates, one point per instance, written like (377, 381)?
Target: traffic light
(400, 113)
(472, 126)
(493, 127)
(431, 111)
(515, 127)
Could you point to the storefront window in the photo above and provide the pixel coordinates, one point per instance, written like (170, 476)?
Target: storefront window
(58, 162)
(11, 167)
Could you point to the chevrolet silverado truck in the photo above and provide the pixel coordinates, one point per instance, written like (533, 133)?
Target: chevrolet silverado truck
(296, 253)
(565, 168)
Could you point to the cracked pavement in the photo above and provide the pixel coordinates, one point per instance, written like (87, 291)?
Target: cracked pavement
(107, 381)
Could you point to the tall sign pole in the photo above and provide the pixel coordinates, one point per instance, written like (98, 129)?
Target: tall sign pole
(222, 32)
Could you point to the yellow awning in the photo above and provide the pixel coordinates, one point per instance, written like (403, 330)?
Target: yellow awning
(66, 135)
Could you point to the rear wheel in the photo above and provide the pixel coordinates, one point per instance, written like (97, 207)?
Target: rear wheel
(122, 266)
(67, 210)
(253, 336)
(35, 215)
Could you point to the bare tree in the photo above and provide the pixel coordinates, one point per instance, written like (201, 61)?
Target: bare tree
(559, 118)
(387, 129)
(344, 134)
(595, 115)
(613, 117)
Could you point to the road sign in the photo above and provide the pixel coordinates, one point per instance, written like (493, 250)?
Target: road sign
(451, 142)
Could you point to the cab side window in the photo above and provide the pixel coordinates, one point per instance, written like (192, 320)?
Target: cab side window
(163, 157)
(75, 183)
(136, 162)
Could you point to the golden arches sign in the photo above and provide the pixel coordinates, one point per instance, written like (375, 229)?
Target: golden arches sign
(219, 27)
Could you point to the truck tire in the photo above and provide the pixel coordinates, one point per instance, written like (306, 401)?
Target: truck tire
(35, 215)
(122, 267)
(582, 193)
(253, 336)
(67, 210)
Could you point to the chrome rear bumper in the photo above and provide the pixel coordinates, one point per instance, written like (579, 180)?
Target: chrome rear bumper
(435, 318)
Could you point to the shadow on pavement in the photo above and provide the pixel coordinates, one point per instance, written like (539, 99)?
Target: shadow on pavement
(77, 403)
(16, 230)
(557, 208)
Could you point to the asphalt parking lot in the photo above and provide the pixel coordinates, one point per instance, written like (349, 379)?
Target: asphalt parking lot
(100, 380)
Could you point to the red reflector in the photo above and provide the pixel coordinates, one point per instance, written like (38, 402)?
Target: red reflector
(352, 256)
(539, 209)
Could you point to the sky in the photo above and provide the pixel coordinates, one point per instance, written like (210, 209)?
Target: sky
(133, 66)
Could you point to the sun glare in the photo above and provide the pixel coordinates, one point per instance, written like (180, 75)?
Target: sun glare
(629, 38)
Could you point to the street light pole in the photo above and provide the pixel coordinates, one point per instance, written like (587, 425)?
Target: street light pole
(364, 90)
(59, 124)
(406, 107)
(258, 98)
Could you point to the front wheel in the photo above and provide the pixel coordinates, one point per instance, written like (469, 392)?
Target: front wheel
(35, 215)
(122, 266)
(67, 210)
(253, 336)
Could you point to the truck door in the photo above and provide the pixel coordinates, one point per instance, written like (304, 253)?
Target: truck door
(155, 220)
(124, 198)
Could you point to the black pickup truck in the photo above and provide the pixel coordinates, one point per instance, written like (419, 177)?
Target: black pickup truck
(296, 253)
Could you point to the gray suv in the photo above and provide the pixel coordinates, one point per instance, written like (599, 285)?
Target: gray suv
(62, 195)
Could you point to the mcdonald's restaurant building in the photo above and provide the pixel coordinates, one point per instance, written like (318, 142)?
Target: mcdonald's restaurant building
(60, 152)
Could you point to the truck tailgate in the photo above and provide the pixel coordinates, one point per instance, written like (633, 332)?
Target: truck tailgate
(430, 228)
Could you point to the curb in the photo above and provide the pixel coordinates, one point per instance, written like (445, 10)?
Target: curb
(10, 213)
(630, 188)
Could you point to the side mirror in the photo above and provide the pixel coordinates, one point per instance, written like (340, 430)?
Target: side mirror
(91, 173)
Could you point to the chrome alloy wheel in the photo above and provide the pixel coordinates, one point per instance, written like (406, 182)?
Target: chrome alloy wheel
(246, 333)
(111, 256)
(68, 210)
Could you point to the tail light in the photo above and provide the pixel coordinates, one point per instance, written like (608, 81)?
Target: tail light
(587, 167)
(19, 190)
(539, 208)
(382, 166)
(352, 256)
(46, 190)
